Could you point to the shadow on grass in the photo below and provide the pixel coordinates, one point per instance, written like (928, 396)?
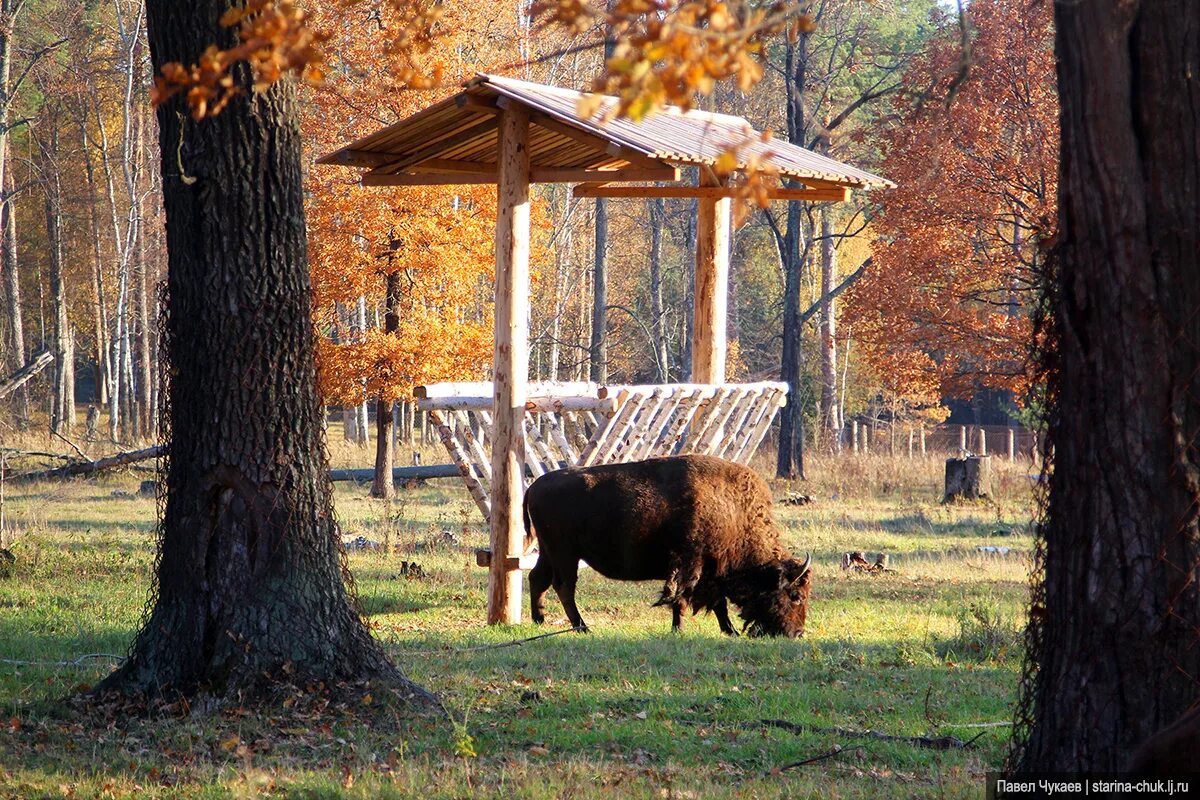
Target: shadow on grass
(659, 703)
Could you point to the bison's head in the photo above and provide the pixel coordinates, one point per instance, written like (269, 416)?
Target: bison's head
(777, 601)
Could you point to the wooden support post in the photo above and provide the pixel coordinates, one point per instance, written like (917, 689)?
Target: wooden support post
(922, 440)
(510, 371)
(713, 232)
(962, 438)
(911, 437)
(982, 441)
(1012, 446)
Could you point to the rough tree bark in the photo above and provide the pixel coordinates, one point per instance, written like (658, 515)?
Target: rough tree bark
(250, 581)
(790, 456)
(383, 485)
(1117, 640)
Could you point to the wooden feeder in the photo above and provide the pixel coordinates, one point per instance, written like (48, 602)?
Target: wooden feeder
(513, 133)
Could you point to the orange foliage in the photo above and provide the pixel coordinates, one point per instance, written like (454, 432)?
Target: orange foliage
(274, 38)
(668, 51)
(439, 239)
(946, 307)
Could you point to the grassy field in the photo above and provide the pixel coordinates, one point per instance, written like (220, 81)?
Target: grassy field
(929, 648)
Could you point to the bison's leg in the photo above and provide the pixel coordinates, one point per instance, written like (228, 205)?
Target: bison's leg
(677, 609)
(540, 578)
(721, 610)
(565, 578)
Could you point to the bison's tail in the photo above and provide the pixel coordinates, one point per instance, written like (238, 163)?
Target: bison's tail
(529, 536)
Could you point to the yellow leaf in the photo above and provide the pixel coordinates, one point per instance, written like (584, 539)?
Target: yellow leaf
(229, 744)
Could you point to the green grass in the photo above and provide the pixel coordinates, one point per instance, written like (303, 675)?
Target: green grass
(931, 648)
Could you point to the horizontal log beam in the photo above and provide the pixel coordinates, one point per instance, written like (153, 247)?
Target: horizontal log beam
(534, 389)
(437, 172)
(574, 175)
(362, 158)
(835, 195)
(429, 179)
(483, 558)
(538, 404)
(422, 472)
(480, 105)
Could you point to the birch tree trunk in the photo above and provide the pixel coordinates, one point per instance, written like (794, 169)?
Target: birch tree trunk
(362, 416)
(62, 406)
(657, 211)
(831, 421)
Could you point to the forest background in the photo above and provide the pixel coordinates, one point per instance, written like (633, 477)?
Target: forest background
(906, 304)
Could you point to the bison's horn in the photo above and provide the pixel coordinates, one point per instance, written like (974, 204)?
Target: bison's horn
(807, 563)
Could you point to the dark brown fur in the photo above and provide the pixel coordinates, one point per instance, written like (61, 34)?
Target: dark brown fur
(701, 524)
(1172, 752)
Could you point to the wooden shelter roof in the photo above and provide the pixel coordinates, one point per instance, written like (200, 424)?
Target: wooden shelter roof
(457, 141)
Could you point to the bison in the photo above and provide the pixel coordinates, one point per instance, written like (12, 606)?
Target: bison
(701, 524)
(1171, 752)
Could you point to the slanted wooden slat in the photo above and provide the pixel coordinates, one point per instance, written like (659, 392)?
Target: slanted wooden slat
(479, 492)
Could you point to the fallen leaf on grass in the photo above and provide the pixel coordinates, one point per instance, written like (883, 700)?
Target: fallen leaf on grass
(539, 750)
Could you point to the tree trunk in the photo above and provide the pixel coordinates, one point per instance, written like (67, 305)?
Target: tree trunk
(12, 280)
(967, 478)
(658, 213)
(249, 582)
(1114, 632)
(598, 351)
(100, 330)
(383, 485)
(831, 421)
(790, 457)
(145, 379)
(62, 405)
(687, 273)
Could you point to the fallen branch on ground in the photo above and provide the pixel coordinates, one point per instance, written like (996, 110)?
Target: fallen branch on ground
(837, 748)
(91, 467)
(18, 378)
(74, 663)
(929, 742)
(12, 452)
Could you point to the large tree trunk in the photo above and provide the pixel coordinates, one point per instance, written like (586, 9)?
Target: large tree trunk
(1116, 635)
(384, 486)
(249, 582)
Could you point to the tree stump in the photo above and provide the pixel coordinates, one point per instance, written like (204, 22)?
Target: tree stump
(968, 478)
